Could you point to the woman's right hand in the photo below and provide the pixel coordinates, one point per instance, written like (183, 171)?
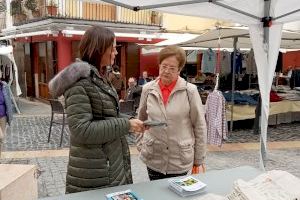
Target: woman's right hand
(136, 126)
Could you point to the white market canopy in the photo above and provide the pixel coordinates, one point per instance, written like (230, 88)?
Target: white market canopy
(240, 11)
(290, 40)
(265, 19)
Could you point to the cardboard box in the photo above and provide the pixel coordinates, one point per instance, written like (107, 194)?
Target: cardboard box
(18, 182)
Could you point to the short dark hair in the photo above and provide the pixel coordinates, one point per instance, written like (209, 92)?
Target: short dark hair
(94, 43)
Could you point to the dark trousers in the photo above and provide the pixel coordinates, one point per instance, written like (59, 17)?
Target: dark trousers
(154, 175)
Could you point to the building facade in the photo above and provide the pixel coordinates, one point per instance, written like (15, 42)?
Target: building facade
(46, 34)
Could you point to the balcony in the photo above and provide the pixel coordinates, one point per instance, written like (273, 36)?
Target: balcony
(27, 11)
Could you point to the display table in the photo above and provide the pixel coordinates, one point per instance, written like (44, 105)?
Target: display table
(242, 112)
(218, 182)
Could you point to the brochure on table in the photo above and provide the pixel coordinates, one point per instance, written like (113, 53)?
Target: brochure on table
(123, 195)
(187, 186)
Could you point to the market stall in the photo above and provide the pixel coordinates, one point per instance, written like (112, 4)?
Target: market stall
(265, 20)
(223, 37)
(242, 112)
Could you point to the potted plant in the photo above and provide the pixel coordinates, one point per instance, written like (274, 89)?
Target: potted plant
(17, 11)
(52, 8)
(32, 5)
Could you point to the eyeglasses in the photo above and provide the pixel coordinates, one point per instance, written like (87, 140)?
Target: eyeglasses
(170, 69)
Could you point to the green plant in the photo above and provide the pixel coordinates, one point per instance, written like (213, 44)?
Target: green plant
(31, 5)
(16, 7)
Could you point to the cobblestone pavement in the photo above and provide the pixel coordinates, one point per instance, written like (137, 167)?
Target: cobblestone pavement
(283, 132)
(31, 133)
(33, 107)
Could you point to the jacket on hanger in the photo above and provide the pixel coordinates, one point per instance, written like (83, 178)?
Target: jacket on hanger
(208, 61)
(238, 62)
(216, 118)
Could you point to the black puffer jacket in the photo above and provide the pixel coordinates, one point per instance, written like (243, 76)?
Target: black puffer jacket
(99, 153)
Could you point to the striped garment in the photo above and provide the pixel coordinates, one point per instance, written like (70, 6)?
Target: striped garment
(216, 118)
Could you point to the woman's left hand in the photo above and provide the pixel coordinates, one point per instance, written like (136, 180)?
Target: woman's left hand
(198, 169)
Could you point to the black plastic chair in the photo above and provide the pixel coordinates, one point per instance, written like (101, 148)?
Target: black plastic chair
(127, 107)
(57, 108)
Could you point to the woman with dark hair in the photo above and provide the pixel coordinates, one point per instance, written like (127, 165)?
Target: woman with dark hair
(99, 153)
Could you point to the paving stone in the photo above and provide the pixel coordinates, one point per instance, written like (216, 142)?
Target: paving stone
(31, 133)
(282, 132)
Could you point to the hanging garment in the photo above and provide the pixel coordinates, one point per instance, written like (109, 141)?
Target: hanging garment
(2, 71)
(251, 65)
(225, 63)
(216, 118)
(295, 79)
(241, 99)
(208, 61)
(238, 62)
(244, 63)
(7, 73)
(274, 97)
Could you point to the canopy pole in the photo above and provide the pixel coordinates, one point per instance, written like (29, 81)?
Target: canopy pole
(267, 23)
(235, 40)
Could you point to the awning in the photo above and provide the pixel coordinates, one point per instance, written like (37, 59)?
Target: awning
(209, 39)
(156, 39)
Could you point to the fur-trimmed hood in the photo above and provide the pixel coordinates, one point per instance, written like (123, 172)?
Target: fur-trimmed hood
(67, 77)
